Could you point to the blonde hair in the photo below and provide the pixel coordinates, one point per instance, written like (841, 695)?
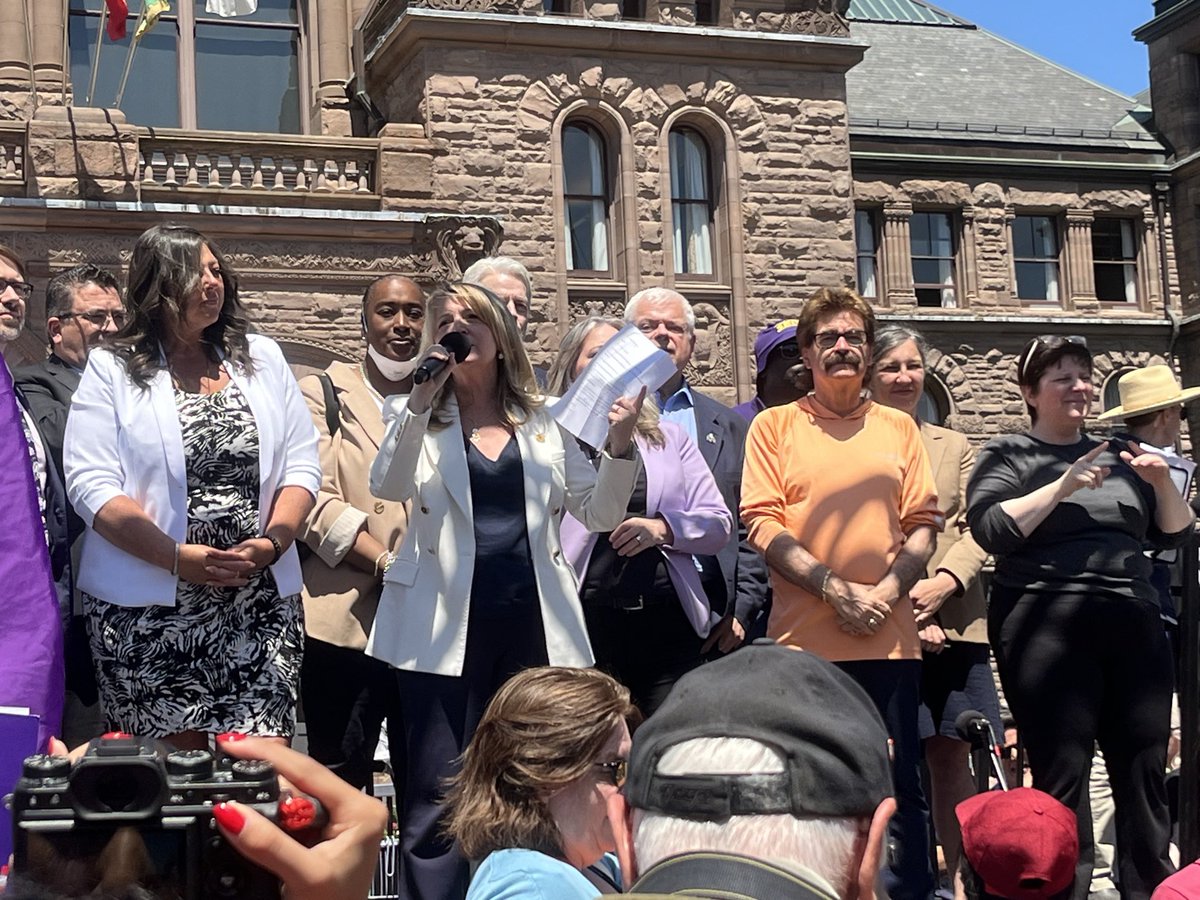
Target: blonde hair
(541, 731)
(517, 393)
(562, 373)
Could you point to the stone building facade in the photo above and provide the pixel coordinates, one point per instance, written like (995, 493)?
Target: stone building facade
(745, 153)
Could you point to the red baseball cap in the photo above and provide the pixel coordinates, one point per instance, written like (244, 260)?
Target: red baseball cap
(1022, 843)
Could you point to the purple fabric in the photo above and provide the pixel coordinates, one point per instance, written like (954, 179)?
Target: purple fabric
(749, 409)
(680, 488)
(31, 652)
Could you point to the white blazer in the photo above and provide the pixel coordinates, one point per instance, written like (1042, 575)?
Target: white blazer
(121, 439)
(421, 624)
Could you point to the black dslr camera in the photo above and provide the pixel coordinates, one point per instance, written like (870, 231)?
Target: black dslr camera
(130, 813)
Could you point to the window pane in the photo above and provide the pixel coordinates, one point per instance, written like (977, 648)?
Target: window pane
(1115, 282)
(693, 238)
(1035, 237)
(689, 166)
(152, 91)
(866, 276)
(939, 235)
(268, 11)
(247, 79)
(919, 230)
(583, 162)
(1112, 239)
(587, 235)
(933, 271)
(864, 231)
(1037, 281)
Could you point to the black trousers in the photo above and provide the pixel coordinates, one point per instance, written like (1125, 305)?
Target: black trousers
(347, 697)
(647, 650)
(440, 716)
(1081, 669)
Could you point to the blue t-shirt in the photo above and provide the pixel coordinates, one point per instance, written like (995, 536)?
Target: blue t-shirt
(529, 875)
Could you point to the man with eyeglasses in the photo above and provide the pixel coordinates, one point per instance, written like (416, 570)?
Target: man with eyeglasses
(839, 496)
(735, 579)
(777, 357)
(83, 308)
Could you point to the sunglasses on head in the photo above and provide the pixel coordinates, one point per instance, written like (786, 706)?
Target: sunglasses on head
(614, 772)
(1044, 343)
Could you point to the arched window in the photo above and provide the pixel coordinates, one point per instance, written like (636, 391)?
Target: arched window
(934, 405)
(585, 197)
(691, 202)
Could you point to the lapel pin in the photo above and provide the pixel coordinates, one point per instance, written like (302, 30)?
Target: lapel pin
(711, 438)
(540, 438)
(378, 508)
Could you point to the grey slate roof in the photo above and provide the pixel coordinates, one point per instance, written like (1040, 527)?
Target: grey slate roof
(955, 80)
(900, 11)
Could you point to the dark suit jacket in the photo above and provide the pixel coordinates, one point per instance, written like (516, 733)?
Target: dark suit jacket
(721, 436)
(46, 389)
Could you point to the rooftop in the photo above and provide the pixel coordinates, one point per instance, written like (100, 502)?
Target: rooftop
(928, 73)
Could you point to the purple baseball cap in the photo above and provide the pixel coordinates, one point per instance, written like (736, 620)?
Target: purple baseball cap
(770, 338)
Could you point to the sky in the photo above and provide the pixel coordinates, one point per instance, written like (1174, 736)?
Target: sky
(1092, 37)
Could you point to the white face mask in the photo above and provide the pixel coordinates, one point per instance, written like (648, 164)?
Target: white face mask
(390, 368)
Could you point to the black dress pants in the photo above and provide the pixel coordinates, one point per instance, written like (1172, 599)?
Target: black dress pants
(347, 696)
(647, 649)
(1080, 669)
(441, 713)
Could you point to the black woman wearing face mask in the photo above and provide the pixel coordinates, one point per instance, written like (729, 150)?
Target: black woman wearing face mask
(347, 694)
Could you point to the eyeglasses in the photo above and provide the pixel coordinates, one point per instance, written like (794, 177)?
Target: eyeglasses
(1044, 343)
(99, 317)
(22, 289)
(827, 340)
(614, 771)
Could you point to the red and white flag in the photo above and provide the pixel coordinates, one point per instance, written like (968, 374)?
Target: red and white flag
(230, 8)
(118, 12)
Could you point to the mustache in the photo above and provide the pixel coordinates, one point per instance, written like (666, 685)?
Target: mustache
(843, 357)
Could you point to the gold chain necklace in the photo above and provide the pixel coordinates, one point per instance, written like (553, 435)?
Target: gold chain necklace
(362, 371)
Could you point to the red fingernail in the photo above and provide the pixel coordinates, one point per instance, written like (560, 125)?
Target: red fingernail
(231, 736)
(296, 813)
(229, 818)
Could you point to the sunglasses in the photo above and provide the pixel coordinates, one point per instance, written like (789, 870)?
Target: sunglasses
(98, 317)
(788, 350)
(1044, 343)
(22, 289)
(827, 340)
(615, 771)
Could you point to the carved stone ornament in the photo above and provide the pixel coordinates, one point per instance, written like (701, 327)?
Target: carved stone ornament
(466, 5)
(824, 18)
(461, 240)
(712, 360)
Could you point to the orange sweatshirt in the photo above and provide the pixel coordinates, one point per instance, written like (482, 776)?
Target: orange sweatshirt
(848, 489)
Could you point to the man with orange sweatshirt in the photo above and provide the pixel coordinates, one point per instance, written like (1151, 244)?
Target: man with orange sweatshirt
(838, 495)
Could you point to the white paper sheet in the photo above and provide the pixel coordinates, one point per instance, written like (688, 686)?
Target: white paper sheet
(629, 361)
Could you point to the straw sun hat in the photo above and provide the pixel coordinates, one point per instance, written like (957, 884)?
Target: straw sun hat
(1149, 390)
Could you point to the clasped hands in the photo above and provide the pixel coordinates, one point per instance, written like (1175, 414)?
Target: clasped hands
(202, 564)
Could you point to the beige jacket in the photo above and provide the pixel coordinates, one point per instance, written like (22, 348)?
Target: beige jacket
(964, 616)
(340, 599)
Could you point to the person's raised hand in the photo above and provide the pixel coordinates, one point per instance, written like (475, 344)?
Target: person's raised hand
(421, 396)
(1150, 467)
(622, 419)
(1084, 473)
(342, 865)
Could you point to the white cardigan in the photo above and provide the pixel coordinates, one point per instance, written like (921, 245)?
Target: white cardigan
(121, 439)
(421, 624)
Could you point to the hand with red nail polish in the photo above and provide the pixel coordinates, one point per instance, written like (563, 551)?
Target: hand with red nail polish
(342, 864)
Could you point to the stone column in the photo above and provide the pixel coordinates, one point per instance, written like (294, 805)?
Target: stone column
(14, 49)
(969, 288)
(331, 113)
(897, 254)
(1149, 266)
(49, 32)
(1081, 279)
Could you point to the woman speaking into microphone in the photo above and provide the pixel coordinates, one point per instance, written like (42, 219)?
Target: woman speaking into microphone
(479, 589)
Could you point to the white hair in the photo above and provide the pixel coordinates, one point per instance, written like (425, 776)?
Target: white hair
(499, 265)
(825, 847)
(655, 294)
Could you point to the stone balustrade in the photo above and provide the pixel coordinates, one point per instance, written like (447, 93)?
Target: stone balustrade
(12, 156)
(292, 170)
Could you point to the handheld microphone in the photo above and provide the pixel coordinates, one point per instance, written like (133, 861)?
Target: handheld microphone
(976, 729)
(456, 344)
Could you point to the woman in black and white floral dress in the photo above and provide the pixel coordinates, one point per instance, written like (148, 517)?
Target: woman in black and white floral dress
(192, 458)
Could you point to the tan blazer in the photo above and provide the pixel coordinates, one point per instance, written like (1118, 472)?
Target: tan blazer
(340, 599)
(952, 458)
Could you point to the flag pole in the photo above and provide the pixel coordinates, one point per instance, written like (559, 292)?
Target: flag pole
(66, 57)
(96, 59)
(133, 45)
